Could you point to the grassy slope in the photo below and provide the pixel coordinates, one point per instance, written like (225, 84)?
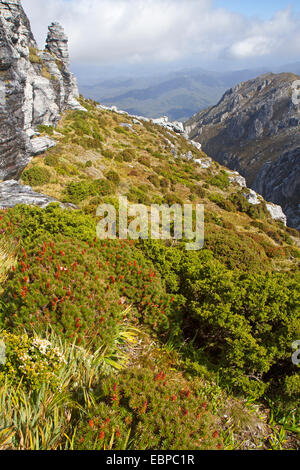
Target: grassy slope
(90, 146)
(178, 180)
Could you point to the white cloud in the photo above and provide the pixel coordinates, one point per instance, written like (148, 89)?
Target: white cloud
(133, 31)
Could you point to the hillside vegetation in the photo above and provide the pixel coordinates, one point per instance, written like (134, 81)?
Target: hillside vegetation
(144, 345)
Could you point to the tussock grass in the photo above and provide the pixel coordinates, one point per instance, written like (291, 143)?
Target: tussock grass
(47, 419)
(7, 258)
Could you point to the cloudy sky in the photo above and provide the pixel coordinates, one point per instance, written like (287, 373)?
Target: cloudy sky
(214, 34)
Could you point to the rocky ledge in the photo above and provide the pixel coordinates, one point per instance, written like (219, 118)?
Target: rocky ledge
(12, 193)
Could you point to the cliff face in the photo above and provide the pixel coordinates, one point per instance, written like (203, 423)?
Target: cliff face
(254, 129)
(35, 87)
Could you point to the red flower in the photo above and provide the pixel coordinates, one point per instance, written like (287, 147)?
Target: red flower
(101, 435)
(91, 423)
(118, 434)
(215, 434)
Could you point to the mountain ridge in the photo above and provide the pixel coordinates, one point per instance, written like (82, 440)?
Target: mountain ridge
(254, 129)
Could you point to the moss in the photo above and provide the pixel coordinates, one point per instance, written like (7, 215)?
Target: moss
(34, 57)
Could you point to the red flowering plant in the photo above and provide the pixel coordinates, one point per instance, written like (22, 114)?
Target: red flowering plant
(153, 410)
(80, 289)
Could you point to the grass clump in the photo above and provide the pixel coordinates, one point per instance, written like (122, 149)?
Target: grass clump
(36, 176)
(34, 57)
(78, 192)
(221, 180)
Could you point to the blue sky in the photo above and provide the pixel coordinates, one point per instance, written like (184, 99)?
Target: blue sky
(262, 8)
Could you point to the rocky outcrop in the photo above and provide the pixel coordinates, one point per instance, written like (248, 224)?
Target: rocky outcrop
(35, 86)
(12, 193)
(163, 121)
(279, 181)
(254, 129)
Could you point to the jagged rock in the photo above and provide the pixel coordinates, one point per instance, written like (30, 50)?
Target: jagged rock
(252, 197)
(276, 212)
(279, 181)
(136, 121)
(197, 145)
(36, 86)
(254, 129)
(187, 156)
(128, 126)
(204, 162)
(236, 178)
(41, 144)
(12, 194)
(172, 126)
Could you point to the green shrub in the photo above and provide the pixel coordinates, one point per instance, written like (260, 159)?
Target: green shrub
(31, 360)
(46, 129)
(78, 192)
(245, 323)
(172, 198)
(164, 183)
(29, 223)
(89, 164)
(236, 250)
(121, 130)
(198, 191)
(36, 176)
(113, 177)
(77, 287)
(128, 155)
(51, 160)
(221, 180)
(225, 204)
(139, 196)
(102, 187)
(154, 179)
(154, 410)
(145, 161)
(216, 198)
(108, 154)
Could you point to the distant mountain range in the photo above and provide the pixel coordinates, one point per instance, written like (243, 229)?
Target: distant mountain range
(178, 95)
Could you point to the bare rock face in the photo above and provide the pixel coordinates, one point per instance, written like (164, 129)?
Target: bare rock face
(12, 193)
(35, 86)
(254, 129)
(279, 181)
